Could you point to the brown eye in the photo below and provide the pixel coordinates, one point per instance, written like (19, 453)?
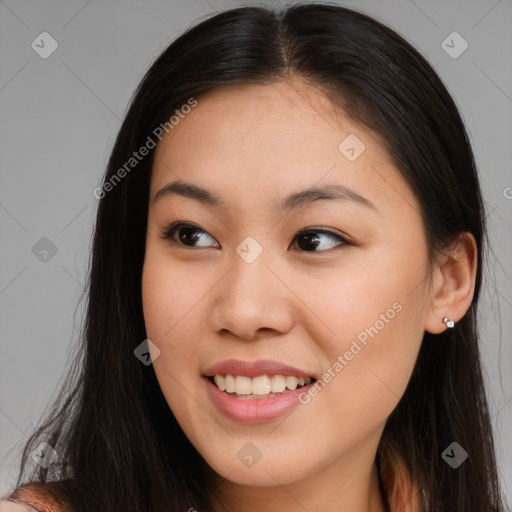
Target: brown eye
(310, 240)
(188, 235)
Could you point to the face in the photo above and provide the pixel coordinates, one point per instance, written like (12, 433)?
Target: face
(263, 287)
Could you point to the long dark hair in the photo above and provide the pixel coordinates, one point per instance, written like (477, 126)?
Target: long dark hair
(119, 446)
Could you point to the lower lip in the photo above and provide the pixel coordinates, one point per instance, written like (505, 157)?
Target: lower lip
(253, 411)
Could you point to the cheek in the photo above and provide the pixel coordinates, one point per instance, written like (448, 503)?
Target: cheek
(363, 313)
(169, 293)
(170, 305)
(165, 306)
(372, 328)
(163, 300)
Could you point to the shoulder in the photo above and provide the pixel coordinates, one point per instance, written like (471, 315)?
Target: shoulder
(33, 497)
(11, 506)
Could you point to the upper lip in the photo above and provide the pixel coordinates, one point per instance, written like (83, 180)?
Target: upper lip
(254, 368)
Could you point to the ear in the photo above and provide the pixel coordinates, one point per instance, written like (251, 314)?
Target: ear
(453, 283)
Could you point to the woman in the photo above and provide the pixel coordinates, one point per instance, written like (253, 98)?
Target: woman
(283, 288)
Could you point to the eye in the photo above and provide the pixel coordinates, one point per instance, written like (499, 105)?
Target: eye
(308, 240)
(187, 235)
(313, 238)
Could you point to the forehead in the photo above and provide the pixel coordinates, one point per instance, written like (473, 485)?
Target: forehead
(290, 109)
(266, 140)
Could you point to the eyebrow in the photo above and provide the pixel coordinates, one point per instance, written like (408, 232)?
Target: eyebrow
(332, 192)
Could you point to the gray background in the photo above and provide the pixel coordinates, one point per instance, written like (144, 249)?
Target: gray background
(59, 119)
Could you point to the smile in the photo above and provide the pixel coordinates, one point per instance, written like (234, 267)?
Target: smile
(261, 387)
(255, 391)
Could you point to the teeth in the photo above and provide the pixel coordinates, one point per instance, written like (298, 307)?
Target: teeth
(261, 385)
(219, 380)
(278, 383)
(243, 385)
(229, 383)
(292, 382)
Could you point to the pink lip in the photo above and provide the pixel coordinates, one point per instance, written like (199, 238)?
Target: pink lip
(254, 368)
(253, 411)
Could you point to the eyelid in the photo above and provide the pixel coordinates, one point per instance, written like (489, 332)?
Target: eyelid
(326, 231)
(172, 228)
(175, 225)
(344, 239)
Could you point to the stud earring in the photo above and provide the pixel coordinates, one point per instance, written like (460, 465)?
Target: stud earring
(449, 323)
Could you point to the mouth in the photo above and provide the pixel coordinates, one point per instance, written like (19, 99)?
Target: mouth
(255, 391)
(258, 388)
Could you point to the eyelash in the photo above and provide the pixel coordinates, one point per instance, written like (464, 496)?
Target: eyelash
(173, 228)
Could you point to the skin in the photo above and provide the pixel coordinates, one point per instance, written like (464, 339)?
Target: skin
(252, 145)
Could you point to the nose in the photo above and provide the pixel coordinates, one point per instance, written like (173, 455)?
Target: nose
(252, 301)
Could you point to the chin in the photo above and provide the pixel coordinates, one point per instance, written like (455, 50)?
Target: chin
(274, 471)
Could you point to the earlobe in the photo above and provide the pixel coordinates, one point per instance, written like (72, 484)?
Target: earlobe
(453, 284)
